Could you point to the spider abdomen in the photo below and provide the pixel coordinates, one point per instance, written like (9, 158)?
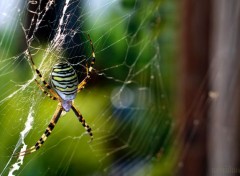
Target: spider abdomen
(64, 81)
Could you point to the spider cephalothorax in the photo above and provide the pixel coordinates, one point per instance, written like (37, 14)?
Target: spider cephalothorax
(63, 87)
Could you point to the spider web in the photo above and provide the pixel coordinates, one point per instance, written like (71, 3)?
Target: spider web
(126, 102)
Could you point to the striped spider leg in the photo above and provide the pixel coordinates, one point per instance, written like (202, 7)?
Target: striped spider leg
(88, 69)
(63, 87)
(44, 91)
(45, 135)
(51, 92)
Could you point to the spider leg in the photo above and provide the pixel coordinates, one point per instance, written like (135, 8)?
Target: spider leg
(39, 73)
(45, 92)
(88, 69)
(83, 83)
(45, 135)
(82, 120)
(93, 55)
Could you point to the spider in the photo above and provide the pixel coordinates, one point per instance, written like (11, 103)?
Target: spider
(63, 87)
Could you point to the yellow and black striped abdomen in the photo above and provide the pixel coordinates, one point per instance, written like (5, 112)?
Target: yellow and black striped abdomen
(64, 80)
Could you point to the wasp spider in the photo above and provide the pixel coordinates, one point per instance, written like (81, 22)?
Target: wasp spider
(63, 87)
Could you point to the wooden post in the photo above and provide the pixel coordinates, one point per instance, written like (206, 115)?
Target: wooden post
(224, 127)
(193, 105)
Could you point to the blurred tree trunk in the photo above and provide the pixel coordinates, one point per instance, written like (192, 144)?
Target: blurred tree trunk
(225, 80)
(223, 119)
(195, 24)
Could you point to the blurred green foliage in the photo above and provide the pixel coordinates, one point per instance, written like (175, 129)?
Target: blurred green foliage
(124, 48)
